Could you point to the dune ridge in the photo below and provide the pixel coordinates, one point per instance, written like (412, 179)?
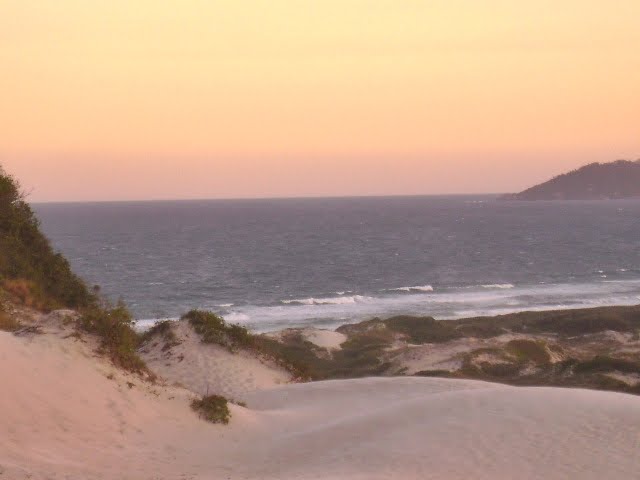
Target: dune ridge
(71, 414)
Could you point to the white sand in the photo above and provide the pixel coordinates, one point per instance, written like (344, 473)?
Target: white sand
(62, 418)
(329, 339)
(206, 368)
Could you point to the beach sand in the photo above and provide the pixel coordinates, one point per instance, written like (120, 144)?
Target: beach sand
(67, 414)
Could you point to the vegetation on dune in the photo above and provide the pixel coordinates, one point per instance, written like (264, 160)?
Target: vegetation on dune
(420, 330)
(212, 408)
(528, 362)
(34, 275)
(118, 340)
(605, 363)
(7, 322)
(165, 331)
(213, 329)
(359, 356)
(567, 323)
(523, 361)
(303, 359)
(30, 271)
(525, 350)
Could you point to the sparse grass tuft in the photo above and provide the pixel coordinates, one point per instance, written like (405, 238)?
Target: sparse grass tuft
(165, 330)
(212, 408)
(113, 325)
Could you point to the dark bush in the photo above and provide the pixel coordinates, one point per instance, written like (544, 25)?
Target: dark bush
(527, 350)
(434, 373)
(212, 408)
(423, 329)
(607, 364)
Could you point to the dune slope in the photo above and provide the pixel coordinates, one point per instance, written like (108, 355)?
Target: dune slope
(208, 368)
(68, 414)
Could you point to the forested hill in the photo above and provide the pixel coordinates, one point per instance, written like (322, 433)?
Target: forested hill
(596, 181)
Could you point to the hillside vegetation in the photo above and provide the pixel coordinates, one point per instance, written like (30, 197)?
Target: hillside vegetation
(34, 275)
(596, 181)
(30, 270)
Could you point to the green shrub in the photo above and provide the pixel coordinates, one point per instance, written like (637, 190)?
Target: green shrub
(423, 329)
(529, 350)
(213, 329)
(113, 325)
(297, 357)
(212, 408)
(27, 256)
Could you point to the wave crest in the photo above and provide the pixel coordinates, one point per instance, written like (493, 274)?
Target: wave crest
(326, 301)
(417, 288)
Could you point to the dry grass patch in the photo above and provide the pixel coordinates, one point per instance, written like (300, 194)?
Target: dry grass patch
(8, 323)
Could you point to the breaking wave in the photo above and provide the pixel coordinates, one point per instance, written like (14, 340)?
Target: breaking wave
(418, 288)
(327, 301)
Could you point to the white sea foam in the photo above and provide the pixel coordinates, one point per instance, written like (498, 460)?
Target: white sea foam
(503, 286)
(236, 317)
(327, 301)
(417, 288)
(224, 305)
(449, 303)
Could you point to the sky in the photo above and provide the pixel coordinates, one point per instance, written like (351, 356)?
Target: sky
(153, 99)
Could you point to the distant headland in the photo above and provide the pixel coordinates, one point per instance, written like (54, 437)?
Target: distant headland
(596, 181)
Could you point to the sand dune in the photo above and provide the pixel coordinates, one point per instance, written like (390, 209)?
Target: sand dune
(208, 368)
(66, 414)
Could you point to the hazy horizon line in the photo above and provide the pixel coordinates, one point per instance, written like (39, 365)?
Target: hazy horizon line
(293, 197)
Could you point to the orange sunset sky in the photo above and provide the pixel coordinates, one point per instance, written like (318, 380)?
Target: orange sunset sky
(149, 99)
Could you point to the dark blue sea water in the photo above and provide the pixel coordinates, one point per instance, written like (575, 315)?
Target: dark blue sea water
(271, 264)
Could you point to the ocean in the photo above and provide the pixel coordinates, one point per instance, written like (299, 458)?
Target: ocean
(276, 263)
